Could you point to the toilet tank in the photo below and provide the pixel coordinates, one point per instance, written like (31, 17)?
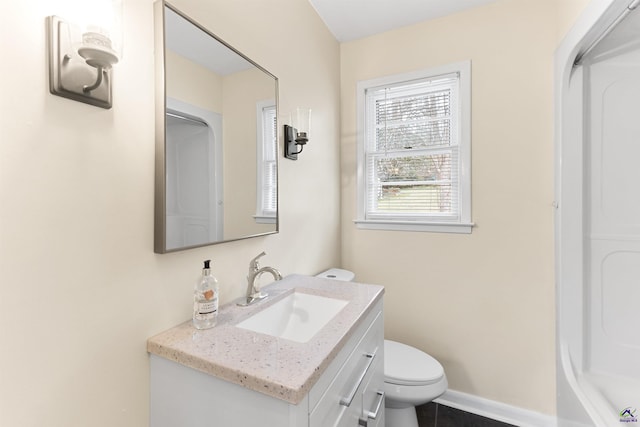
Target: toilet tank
(338, 274)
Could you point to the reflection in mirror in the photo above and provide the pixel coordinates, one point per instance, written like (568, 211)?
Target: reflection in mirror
(216, 139)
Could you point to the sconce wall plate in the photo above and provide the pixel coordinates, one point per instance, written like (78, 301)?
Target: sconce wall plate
(69, 73)
(290, 148)
(294, 142)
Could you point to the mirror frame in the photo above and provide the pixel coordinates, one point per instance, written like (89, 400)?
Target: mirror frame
(160, 217)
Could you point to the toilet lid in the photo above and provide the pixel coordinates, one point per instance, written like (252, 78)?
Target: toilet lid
(406, 365)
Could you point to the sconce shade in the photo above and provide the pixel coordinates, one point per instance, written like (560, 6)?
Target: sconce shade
(96, 50)
(297, 135)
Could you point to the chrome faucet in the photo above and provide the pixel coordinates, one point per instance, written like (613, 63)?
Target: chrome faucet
(253, 292)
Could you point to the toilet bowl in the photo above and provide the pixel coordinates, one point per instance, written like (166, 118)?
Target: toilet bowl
(411, 376)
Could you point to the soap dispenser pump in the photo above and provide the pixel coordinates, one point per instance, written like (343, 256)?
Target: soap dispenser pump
(205, 299)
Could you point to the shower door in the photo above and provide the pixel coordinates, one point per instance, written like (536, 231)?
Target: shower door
(612, 219)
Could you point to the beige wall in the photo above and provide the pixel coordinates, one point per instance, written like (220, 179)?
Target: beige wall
(181, 73)
(80, 286)
(568, 12)
(483, 304)
(241, 93)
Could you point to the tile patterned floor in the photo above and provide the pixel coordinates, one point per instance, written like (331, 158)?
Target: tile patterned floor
(436, 415)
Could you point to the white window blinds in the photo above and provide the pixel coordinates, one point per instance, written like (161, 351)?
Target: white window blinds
(412, 165)
(268, 186)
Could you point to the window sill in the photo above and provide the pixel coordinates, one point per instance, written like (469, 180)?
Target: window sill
(433, 227)
(263, 219)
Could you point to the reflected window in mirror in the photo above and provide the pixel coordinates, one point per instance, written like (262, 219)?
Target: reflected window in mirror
(267, 172)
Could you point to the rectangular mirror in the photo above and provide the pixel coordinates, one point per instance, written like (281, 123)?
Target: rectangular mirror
(216, 138)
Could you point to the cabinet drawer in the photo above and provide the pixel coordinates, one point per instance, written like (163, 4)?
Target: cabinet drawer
(373, 398)
(342, 401)
(320, 387)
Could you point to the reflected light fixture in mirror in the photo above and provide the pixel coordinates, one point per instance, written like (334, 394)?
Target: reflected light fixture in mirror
(297, 134)
(83, 49)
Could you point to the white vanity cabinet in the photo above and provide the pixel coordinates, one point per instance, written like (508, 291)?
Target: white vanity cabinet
(348, 393)
(342, 396)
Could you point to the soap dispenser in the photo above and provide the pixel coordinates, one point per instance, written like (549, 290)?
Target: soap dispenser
(205, 299)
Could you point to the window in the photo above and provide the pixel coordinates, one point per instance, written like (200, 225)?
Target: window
(414, 151)
(267, 188)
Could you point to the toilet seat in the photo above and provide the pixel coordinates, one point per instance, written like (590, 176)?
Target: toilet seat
(406, 365)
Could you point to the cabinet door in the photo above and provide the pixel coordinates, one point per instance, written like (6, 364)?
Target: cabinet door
(349, 418)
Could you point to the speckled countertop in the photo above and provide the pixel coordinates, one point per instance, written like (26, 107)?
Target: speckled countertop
(274, 366)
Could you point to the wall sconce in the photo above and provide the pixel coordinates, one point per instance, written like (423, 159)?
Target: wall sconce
(83, 50)
(297, 135)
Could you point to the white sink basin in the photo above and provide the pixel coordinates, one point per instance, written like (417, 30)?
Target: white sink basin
(297, 317)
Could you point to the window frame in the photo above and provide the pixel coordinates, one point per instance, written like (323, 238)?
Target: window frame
(265, 216)
(429, 223)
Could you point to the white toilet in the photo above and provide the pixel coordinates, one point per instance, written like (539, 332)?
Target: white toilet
(411, 377)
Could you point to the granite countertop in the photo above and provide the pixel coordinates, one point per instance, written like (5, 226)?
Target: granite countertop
(274, 366)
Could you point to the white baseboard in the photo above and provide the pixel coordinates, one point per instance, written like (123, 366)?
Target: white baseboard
(495, 410)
